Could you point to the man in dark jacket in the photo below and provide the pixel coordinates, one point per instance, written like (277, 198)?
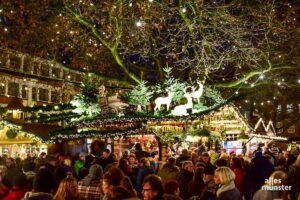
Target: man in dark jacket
(182, 157)
(42, 186)
(209, 191)
(185, 177)
(260, 170)
(106, 159)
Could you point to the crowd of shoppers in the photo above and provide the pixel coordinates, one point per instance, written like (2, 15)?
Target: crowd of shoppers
(192, 175)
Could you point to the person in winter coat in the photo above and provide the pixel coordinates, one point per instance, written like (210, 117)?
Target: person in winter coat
(19, 189)
(79, 164)
(169, 171)
(67, 189)
(260, 170)
(294, 179)
(210, 188)
(152, 188)
(171, 189)
(268, 193)
(184, 156)
(144, 171)
(224, 176)
(94, 176)
(236, 167)
(42, 186)
(185, 177)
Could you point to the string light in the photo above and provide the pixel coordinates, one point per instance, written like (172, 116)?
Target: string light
(262, 76)
(183, 10)
(138, 23)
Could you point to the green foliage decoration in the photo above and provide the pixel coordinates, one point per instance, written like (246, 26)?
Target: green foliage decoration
(177, 88)
(87, 101)
(140, 95)
(11, 133)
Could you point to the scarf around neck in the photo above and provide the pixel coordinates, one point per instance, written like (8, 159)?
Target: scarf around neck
(225, 188)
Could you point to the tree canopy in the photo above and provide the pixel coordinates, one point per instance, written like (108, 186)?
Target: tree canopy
(238, 46)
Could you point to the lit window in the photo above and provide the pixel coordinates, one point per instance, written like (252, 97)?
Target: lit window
(289, 108)
(278, 127)
(279, 108)
(291, 129)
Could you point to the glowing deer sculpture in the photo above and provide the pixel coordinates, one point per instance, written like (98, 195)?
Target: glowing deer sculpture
(196, 94)
(181, 110)
(164, 100)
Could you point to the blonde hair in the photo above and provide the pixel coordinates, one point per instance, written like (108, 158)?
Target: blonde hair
(63, 191)
(278, 175)
(225, 174)
(126, 183)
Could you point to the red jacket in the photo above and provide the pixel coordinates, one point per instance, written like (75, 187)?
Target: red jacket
(239, 180)
(16, 193)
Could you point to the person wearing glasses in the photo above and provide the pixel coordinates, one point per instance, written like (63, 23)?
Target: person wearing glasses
(152, 188)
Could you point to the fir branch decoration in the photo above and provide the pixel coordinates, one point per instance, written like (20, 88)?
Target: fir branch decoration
(140, 95)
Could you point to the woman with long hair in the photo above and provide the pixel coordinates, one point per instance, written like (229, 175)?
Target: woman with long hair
(126, 169)
(67, 189)
(224, 176)
(127, 184)
(237, 167)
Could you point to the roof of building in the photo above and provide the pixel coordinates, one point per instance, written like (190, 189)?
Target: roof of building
(40, 130)
(15, 104)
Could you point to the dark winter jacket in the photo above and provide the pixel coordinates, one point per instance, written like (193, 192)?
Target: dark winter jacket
(294, 181)
(260, 170)
(142, 173)
(184, 179)
(232, 194)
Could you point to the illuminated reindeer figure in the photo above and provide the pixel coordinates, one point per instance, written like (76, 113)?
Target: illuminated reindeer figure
(182, 109)
(164, 100)
(196, 94)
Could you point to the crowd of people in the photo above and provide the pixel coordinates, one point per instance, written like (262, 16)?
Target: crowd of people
(192, 175)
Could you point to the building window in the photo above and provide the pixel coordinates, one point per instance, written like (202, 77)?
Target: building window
(279, 108)
(15, 63)
(279, 127)
(34, 94)
(2, 88)
(56, 72)
(45, 70)
(13, 89)
(291, 129)
(35, 68)
(289, 108)
(55, 96)
(43, 94)
(24, 92)
(27, 66)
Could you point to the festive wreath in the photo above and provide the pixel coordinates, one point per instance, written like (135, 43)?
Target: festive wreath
(11, 134)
